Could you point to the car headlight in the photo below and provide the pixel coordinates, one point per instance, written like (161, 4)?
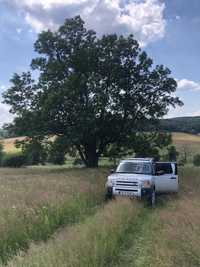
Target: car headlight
(109, 183)
(146, 184)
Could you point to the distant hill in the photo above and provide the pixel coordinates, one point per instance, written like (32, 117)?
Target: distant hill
(182, 124)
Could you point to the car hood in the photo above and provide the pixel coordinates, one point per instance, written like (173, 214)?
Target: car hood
(129, 177)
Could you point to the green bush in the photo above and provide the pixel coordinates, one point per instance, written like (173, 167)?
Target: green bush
(78, 161)
(57, 151)
(34, 150)
(196, 160)
(14, 160)
(172, 153)
(1, 153)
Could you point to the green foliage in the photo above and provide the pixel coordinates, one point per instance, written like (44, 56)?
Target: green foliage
(14, 160)
(150, 144)
(2, 154)
(4, 133)
(196, 160)
(115, 152)
(172, 153)
(35, 150)
(77, 162)
(57, 151)
(94, 91)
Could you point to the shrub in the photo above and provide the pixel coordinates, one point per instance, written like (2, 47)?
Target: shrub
(196, 160)
(34, 150)
(1, 153)
(14, 160)
(57, 151)
(78, 161)
(172, 153)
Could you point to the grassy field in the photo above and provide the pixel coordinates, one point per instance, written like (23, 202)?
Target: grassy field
(36, 202)
(58, 217)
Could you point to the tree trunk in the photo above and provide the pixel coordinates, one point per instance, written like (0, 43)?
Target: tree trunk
(91, 157)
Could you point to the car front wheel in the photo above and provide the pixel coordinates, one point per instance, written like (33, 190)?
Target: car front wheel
(153, 198)
(109, 193)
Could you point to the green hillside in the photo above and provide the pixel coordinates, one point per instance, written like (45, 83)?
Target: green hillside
(182, 124)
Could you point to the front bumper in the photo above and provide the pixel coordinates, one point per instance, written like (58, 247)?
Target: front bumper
(129, 192)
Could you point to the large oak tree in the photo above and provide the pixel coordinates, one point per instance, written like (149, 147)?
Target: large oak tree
(94, 91)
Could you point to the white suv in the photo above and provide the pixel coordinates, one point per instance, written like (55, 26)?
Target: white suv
(142, 177)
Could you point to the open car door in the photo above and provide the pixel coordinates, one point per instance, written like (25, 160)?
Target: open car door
(166, 177)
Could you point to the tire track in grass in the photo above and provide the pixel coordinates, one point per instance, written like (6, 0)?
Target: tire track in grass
(96, 242)
(169, 235)
(127, 234)
(44, 221)
(137, 251)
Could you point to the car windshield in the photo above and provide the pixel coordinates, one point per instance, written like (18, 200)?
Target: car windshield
(134, 167)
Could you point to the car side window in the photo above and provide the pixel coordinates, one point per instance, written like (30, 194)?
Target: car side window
(166, 167)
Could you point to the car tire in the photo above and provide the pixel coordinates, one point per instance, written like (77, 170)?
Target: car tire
(109, 195)
(152, 199)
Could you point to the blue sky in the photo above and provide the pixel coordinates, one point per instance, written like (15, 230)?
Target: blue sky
(167, 29)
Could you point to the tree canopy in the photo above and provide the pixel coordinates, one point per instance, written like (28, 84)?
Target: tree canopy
(94, 91)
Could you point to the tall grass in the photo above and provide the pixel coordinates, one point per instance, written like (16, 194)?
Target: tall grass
(120, 233)
(95, 243)
(169, 236)
(42, 223)
(27, 221)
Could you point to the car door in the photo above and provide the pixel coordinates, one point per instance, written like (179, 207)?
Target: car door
(166, 178)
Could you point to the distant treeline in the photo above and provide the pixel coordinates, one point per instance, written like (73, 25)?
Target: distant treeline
(6, 134)
(181, 124)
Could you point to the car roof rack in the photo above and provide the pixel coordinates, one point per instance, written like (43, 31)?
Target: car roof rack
(140, 159)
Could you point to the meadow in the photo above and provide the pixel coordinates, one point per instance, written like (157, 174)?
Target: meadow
(57, 216)
(36, 202)
(78, 228)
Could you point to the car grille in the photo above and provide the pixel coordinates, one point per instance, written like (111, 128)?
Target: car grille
(126, 186)
(126, 183)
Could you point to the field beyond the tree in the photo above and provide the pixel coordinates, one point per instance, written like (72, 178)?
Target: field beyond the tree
(189, 143)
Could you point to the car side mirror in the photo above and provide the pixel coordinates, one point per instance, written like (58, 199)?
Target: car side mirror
(160, 172)
(112, 171)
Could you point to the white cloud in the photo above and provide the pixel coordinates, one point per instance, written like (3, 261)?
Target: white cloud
(2, 87)
(35, 23)
(143, 18)
(19, 30)
(5, 116)
(188, 85)
(177, 17)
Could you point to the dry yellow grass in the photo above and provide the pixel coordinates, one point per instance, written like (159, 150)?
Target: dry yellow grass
(188, 144)
(29, 187)
(9, 144)
(183, 138)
